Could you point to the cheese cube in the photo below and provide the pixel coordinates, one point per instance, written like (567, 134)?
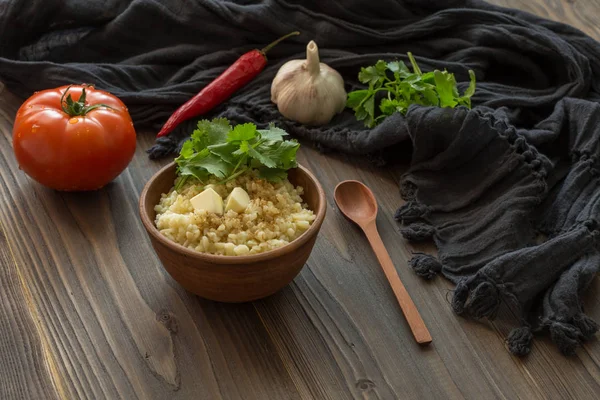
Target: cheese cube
(208, 200)
(237, 200)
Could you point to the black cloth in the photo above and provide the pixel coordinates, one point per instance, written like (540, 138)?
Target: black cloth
(508, 191)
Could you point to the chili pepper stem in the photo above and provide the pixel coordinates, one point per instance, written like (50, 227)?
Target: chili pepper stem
(276, 42)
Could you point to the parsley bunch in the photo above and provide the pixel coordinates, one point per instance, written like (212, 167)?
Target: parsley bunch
(215, 148)
(435, 88)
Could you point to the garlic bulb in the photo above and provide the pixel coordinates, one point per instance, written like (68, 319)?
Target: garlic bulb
(308, 91)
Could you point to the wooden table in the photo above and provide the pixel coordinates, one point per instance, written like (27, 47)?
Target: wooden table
(87, 311)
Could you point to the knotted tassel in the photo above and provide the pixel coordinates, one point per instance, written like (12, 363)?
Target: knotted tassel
(425, 266)
(418, 232)
(519, 341)
(586, 325)
(566, 336)
(484, 301)
(411, 212)
(478, 296)
(461, 294)
(408, 190)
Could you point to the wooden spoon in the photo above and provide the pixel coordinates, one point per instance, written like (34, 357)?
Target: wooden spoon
(357, 203)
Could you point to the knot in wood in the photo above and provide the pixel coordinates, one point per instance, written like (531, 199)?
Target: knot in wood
(167, 319)
(365, 384)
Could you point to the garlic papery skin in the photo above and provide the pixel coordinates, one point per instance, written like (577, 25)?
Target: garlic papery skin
(308, 91)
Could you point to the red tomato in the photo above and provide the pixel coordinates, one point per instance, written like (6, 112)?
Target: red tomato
(73, 145)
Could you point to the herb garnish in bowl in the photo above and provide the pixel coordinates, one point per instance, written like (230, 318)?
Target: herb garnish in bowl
(232, 193)
(215, 148)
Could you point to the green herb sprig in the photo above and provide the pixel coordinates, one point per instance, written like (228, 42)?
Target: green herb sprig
(216, 148)
(403, 87)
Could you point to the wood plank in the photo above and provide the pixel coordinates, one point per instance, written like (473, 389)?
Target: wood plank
(26, 365)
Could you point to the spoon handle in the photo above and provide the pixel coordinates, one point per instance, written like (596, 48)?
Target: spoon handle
(416, 323)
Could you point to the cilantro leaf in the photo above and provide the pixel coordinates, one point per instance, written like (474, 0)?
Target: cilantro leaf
(273, 133)
(284, 152)
(225, 151)
(431, 96)
(215, 166)
(374, 74)
(356, 98)
(210, 132)
(187, 150)
(388, 106)
(190, 170)
(242, 132)
(217, 129)
(398, 66)
(445, 85)
(272, 174)
(244, 147)
(369, 107)
(264, 159)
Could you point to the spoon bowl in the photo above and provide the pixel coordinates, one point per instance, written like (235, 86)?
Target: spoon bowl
(356, 201)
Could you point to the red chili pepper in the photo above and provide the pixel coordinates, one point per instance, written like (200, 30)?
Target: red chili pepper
(236, 76)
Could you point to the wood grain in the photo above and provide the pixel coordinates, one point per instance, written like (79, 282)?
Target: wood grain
(88, 312)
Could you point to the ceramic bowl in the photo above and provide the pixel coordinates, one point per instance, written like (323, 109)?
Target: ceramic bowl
(232, 279)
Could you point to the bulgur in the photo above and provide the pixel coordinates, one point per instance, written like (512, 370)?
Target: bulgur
(275, 216)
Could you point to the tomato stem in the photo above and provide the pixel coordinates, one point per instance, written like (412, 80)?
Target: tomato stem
(77, 108)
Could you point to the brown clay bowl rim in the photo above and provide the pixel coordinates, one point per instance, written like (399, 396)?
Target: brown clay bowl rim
(218, 259)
